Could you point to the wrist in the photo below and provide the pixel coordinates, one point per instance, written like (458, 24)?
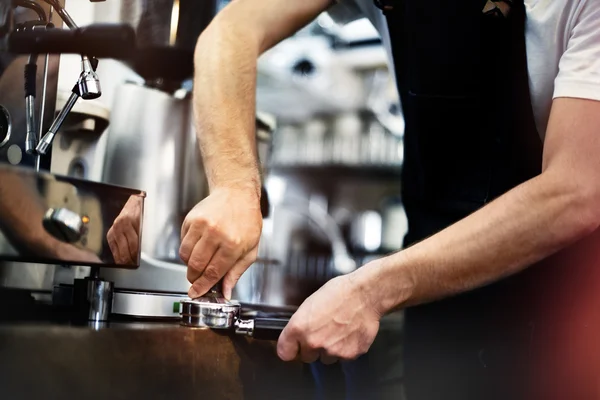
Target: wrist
(386, 284)
(249, 188)
(365, 280)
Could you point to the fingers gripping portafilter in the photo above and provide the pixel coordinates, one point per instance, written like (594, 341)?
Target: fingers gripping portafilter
(214, 311)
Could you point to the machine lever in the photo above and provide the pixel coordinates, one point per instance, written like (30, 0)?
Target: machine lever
(30, 93)
(46, 141)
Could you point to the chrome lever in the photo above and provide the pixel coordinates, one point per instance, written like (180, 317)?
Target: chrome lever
(30, 93)
(30, 138)
(48, 138)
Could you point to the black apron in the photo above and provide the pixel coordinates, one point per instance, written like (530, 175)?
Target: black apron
(470, 137)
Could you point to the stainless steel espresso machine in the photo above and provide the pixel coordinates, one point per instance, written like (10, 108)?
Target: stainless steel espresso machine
(51, 222)
(151, 141)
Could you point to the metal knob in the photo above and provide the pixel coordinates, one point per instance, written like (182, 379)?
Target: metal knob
(89, 83)
(64, 224)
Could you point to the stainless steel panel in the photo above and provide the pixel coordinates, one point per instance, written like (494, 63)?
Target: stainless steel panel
(151, 144)
(147, 140)
(143, 304)
(51, 219)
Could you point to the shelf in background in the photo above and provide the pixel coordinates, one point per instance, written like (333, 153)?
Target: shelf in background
(319, 267)
(335, 171)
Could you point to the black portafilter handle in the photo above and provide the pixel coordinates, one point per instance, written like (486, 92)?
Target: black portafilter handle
(117, 41)
(268, 328)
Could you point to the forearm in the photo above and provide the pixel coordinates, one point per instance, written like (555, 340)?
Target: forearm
(225, 83)
(224, 106)
(518, 229)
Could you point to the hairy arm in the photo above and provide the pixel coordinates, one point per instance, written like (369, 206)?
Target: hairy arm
(225, 83)
(527, 224)
(220, 235)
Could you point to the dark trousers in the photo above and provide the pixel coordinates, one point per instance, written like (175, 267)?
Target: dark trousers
(377, 375)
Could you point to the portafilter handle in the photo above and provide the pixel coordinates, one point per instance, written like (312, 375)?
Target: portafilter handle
(261, 328)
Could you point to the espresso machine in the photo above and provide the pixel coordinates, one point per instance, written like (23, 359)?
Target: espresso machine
(53, 223)
(151, 144)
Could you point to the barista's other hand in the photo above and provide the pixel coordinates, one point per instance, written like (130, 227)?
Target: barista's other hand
(337, 322)
(219, 238)
(124, 235)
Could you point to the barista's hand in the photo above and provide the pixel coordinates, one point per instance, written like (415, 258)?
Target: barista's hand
(336, 322)
(219, 238)
(124, 235)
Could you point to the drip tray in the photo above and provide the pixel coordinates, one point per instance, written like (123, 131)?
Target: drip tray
(147, 304)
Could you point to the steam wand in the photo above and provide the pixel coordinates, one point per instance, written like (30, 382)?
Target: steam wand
(87, 86)
(46, 141)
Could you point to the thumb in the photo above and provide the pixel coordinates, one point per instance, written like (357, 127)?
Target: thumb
(287, 346)
(234, 274)
(232, 277)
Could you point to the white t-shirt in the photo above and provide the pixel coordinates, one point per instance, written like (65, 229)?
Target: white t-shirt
(563, 49)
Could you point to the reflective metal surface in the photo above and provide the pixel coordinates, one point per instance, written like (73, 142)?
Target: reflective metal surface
(244, 327)
(46, 218)
(64, 224)
(66, 17)
(89, 83)
(31, 137)
(150, 305)
(219, 313)
(209, 312)
(93, 298)
(149, 135)
(48, 138)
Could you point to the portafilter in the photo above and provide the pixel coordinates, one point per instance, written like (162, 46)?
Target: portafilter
(214, 311)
